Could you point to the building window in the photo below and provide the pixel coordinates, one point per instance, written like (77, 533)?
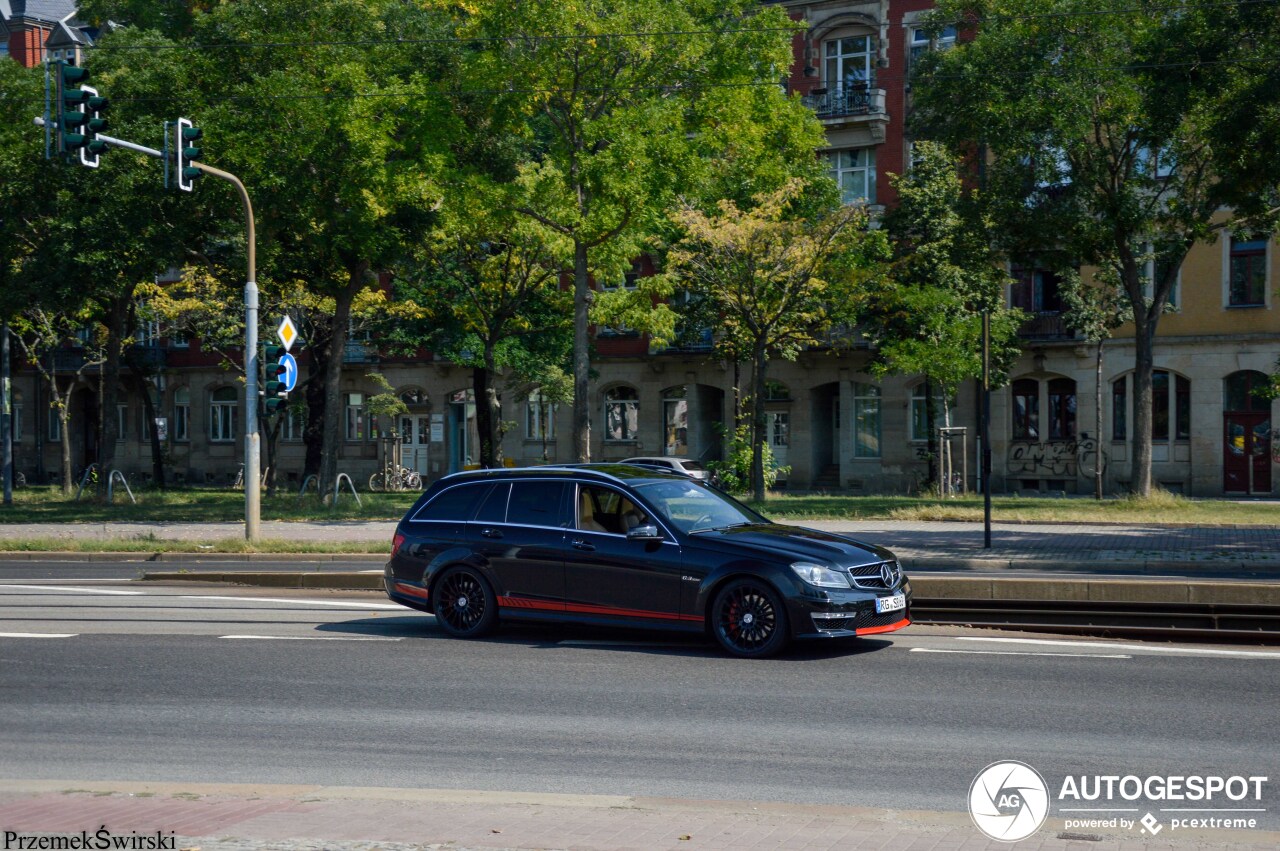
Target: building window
(1245, 392)
(291, 427)
(1152, 268)
(357, 428)
(1248, 272)
(780, 428)
(621, 414)
(675, 421)
(920, 412)
(16, 422)
(854, 171)
(1026, 409)
(1119, 408)
(1062, 409)
(181, 415)
(539, 418)
(122, 421)
(920, 40)
(55, 425)
(1036, 290)
(223, 415)
(866, 420)
(1170, 406)
(630, 279)
(847, 62)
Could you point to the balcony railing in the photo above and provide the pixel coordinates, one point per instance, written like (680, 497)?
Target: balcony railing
(1047, 325)
(359, 351)
(859, 99)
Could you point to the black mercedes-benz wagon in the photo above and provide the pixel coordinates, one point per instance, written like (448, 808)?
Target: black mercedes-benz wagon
(630, 546)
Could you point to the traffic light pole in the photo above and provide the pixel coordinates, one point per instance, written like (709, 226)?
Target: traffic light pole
(252, 441)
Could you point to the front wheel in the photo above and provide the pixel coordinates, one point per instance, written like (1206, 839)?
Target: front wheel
(748, 619)
(377, 483)
(465, 605)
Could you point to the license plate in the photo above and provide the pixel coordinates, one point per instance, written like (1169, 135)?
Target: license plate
(891, 604)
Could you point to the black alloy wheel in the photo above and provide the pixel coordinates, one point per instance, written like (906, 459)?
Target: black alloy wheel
(465, 605)
(748, 619)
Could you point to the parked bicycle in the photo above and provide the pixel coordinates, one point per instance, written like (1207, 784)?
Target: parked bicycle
(397, 479)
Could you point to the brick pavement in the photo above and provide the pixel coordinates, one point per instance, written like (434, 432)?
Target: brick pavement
(227, 817)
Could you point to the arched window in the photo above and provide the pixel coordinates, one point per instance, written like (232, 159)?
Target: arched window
(776, 391)
(223, 415)
(1026, 409)
(413, 397)
(1062, 409)
(1241, 392)
(182, 414)
(539, 417)
(1170, 406)
(621, 414)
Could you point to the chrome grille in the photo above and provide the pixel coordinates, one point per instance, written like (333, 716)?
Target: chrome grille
(868, 576)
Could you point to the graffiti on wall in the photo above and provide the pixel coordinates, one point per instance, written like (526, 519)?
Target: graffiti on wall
(1058, 459)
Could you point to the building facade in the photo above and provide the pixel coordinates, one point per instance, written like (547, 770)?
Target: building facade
(833, 424)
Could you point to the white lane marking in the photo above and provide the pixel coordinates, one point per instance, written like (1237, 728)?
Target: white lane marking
(1201, 651)
(586, 642)
(308, 638)
(69, 588)
(38, 634)
(1022, 653)
(337, 603)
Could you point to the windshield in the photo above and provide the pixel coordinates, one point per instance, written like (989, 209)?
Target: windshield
(692, 507)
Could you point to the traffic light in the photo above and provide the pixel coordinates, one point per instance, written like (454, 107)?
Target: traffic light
(94, 147)
(273, 389)
(69, 118)
(184, 144)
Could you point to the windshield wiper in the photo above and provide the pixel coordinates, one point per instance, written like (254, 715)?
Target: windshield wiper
(722, 528)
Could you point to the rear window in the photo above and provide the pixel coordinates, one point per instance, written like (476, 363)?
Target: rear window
(693, 465)
(537, 504)
(456, 503)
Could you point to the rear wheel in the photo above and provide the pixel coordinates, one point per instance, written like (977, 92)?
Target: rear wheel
(748, 619)
(377, 483)
(465, 605)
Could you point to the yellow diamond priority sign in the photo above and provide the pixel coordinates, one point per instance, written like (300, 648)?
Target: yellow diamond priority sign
(287, 332)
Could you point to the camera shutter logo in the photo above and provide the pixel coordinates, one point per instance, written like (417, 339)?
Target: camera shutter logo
(1008, 801)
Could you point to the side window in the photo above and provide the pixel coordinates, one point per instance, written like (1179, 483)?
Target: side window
(605, 510)
(457, 503)
(494, 507)
(537, 504)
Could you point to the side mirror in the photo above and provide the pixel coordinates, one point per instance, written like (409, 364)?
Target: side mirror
(644, 533)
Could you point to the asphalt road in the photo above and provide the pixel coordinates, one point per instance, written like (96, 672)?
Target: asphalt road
(217, 685)
(79, 569)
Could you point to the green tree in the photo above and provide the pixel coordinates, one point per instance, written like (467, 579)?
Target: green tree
(485, 293)
(602, 96)
(925, 318)
(1105, 135)
(777, 282)
(1095, 311)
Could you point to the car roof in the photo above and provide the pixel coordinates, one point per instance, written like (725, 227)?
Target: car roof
(604, 472)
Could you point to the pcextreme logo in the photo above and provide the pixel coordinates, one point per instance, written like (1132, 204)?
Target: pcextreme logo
(1008, 801)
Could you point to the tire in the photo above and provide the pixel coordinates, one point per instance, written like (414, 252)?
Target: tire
(376, 484)
(415, 482)
(749, 620)
(478, 613)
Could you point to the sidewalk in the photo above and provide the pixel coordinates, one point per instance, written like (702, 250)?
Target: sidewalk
(1216, 550)
(237, 817)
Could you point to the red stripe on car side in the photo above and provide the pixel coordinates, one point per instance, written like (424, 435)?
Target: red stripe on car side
(591, 609)
(411, 590)
(872, 630)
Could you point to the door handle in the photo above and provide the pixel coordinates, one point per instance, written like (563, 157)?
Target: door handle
(580, 544)
(491, 533)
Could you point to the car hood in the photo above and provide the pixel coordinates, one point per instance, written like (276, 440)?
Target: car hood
(798, 543)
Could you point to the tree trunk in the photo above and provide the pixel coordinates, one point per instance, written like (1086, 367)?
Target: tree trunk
(487, 413)
(313, 392)
(582, 298)
(64, 423)
(333, 408)
(1097, 416)
(1144, 361)
(759, 422)
(117, 316)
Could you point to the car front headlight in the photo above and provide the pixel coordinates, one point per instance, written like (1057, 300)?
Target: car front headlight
(819, 575)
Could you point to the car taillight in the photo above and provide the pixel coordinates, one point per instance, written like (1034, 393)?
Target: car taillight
(396, 542)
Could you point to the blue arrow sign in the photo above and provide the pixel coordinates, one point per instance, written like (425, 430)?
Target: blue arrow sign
(290, 374)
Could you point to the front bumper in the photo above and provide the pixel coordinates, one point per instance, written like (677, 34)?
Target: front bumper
(846, 614)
